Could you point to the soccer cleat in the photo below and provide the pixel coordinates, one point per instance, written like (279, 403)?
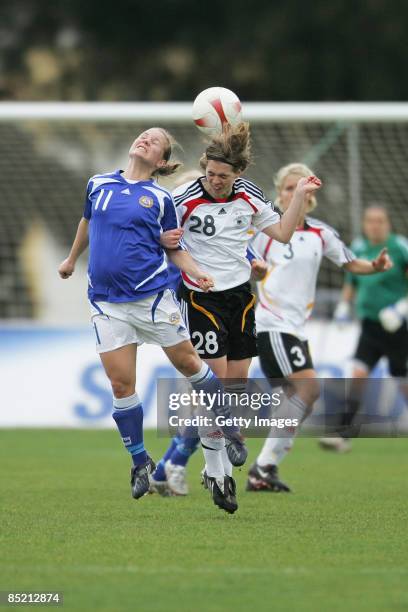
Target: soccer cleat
(265, 478)
(159, 486)
(236, 450)
(222, 491)
(139, 478)
(176, 478)
(231, 488)
(338, 445)
(204, 478)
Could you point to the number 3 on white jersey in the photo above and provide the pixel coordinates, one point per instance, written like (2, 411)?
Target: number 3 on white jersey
(210, 339)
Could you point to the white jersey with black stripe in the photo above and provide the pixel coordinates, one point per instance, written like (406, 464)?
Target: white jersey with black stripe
(286, 295)
(216, 230)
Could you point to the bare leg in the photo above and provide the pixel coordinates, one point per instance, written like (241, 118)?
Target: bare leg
(120, 368)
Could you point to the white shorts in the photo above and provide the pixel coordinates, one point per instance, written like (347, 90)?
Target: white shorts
(155, 320)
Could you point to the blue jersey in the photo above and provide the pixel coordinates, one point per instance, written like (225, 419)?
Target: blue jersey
(174, 276)
(126, 260)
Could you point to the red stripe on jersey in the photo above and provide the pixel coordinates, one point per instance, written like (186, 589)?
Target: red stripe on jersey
(315, 230)
(188, 279)
(194, 203)
(191, 206)
(268, 246)
(245, 197)
(217, 104)
(269, 309)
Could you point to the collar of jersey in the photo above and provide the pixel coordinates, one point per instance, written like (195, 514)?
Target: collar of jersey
(208, 196)
(379, 245)
(122, 178)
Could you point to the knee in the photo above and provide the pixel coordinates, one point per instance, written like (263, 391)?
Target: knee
(122, 388)
(360, 373)
(314, 393)
(189, 363)
(310, 393)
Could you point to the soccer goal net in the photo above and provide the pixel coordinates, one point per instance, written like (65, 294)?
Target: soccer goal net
(48, 151)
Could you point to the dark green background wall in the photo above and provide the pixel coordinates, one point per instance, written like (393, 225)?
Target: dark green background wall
(171, 49)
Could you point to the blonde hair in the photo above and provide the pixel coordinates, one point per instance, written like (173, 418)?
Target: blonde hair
(299, 170)
(232, 146)
(169, 168)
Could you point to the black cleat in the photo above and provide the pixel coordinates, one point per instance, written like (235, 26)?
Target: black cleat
(265, 478)
(204, 479)
(223, 493)
(236, 450)
(139, 478)
(231, 488)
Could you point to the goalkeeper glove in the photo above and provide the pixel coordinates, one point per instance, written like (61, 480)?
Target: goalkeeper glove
(342, 312)
(392, 317)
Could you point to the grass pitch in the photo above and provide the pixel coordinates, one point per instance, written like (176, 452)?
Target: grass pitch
(68, 523)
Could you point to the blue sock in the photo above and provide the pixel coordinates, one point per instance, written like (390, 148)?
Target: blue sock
(184, 449)
(128, 415)
(159, 473)
(205, 380)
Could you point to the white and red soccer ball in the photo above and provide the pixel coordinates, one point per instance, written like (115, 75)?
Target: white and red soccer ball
(214, 107)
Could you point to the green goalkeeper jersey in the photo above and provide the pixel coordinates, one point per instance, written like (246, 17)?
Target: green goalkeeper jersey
(376, 291)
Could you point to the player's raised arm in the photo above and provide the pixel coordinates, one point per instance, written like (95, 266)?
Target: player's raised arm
(79, 245)
(283, 231)
(382, 263)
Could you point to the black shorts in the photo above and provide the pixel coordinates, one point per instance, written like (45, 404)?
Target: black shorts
(375, 342)
(282, 354)
(221, 322)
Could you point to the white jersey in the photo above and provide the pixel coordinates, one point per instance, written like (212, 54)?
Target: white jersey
(216, 230)
(286, 295)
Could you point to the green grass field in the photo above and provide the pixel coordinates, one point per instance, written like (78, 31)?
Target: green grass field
(68, 523)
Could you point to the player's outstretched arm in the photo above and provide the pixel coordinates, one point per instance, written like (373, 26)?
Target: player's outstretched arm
(171, 238)
(283, 231)
(382, 263)
(79, 245)
(184, 261)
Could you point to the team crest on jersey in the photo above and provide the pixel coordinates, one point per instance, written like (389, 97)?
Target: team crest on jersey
(241, 221)
(174, 318)
(146, 201)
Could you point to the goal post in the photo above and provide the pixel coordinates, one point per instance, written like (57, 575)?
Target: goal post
(255, 112)
(48, 150)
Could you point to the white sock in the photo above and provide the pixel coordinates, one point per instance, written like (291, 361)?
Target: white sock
(204, 373)
(275, 449)
(212, 449)
(226, 462)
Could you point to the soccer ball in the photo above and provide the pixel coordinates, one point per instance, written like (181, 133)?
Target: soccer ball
(214, 107)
